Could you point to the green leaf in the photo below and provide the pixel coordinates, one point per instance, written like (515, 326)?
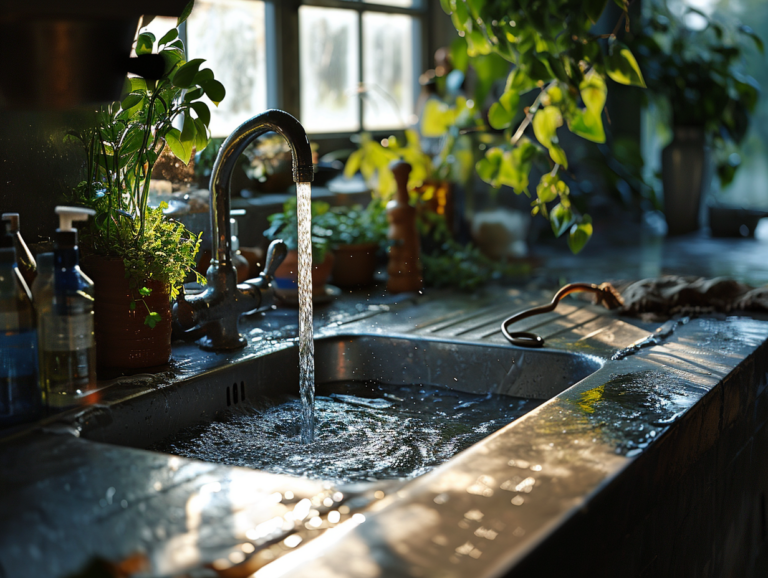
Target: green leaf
(203, 75)
(186, 12)
(145, 291)
(132, 305)
(152, 319)
(193, 95)
(436, 118)
(185, 75)
(446, 6)
(201, 135)
(560, 218)
(477, 44)
(593, 92)
(753, 35)
(622, 67)
(545, 123)
(499, 117)
(580, 234)
(488, 167)
(131, 100)
(214, 90)
(502, 113)
(594, 8)
(144, 43)
(202, 111)
(588, 125)
(182, 150)
(169, 36)
(135, 84)
(551, 187)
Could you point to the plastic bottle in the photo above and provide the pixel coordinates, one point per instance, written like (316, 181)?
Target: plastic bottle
(65, 324)
(19, 392)
(24, 259)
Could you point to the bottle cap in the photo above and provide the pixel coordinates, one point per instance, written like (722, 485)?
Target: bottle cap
(66, 234)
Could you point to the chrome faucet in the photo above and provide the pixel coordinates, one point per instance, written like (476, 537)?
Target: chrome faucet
(216, 311)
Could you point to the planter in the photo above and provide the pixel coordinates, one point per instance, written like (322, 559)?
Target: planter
(122, 339)
(685, 172)
(287, 274)
(355, 265)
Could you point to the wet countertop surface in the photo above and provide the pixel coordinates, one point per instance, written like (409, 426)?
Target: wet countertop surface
(66, 500)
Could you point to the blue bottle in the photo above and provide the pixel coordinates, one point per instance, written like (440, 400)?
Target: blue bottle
(20, 398)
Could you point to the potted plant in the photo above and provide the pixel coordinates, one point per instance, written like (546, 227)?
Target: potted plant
(357, 237)
(284, 226)
(137, 257)
(698, 75)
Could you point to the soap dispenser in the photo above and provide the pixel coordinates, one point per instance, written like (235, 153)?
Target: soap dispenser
(65, 325)
(24, 259)
(19, 392)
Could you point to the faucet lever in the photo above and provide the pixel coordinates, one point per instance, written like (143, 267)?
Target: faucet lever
(275, 256)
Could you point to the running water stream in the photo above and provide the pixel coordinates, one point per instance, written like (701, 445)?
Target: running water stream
(306, 337)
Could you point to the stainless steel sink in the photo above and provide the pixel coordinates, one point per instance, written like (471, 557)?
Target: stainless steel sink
(143, 420)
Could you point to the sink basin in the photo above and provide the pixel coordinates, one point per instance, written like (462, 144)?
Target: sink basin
(144, 420)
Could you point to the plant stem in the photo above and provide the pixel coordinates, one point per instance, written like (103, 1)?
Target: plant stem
(529, 115)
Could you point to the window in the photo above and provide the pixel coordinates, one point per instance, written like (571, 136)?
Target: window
(358, 61)
(358, 64)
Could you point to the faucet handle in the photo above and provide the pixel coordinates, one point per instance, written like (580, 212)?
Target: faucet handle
(275, 256)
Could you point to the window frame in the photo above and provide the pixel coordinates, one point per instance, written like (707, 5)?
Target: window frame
(283, 74)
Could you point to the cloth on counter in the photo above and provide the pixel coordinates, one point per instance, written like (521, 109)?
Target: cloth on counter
(674, 295)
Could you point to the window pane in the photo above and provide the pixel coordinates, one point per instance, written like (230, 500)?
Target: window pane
(403, 3)
(230, 35)
(388, 73)
(328, 60)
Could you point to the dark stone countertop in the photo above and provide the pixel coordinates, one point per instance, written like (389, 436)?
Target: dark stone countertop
(66, 499)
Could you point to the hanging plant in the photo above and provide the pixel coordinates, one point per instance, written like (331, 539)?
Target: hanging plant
(552, 52)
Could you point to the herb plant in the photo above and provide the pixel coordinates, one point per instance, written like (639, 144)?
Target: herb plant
(554, 55)
(357, 225)
(699, 74)
(121, 149)
(285, 226)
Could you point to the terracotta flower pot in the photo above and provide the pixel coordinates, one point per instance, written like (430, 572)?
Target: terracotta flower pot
(355, 265)
(287, 274)
(123, 340)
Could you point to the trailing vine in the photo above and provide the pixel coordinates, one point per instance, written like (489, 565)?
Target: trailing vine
(552, 52)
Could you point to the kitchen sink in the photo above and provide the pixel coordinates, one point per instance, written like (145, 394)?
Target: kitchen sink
(385, 363)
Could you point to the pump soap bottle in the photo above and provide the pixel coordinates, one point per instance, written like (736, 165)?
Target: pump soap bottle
(65, 325)
(19, 393)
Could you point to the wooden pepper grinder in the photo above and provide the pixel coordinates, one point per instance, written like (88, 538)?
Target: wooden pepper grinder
(404, 267)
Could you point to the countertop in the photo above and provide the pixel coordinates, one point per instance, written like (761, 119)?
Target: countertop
(67, 500)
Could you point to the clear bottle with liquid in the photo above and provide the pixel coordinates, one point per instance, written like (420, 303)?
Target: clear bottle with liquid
(65, 322)
(19, 391)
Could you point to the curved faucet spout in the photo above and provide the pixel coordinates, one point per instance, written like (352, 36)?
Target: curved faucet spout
(216, 311)
(221, 176)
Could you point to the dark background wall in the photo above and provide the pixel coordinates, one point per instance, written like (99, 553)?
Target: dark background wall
(37, 167)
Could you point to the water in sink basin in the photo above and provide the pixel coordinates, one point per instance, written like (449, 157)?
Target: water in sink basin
(363, 431)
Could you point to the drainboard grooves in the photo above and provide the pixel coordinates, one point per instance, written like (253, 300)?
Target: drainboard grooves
(471, 322)
(540, 320)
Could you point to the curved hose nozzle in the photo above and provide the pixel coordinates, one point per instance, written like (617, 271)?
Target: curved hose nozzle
(605, 295)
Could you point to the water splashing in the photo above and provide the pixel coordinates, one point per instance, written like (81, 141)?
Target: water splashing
(306, 338)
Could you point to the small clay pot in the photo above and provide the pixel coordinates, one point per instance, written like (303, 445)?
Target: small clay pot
(122, 339)
(355, 265)
(287, 274)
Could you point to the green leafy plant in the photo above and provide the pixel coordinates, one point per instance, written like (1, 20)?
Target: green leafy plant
(121, 149)
(553, 54)
(699, 75)
(451, 264)
(357, 225)
(373, 158)
(285, 226)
